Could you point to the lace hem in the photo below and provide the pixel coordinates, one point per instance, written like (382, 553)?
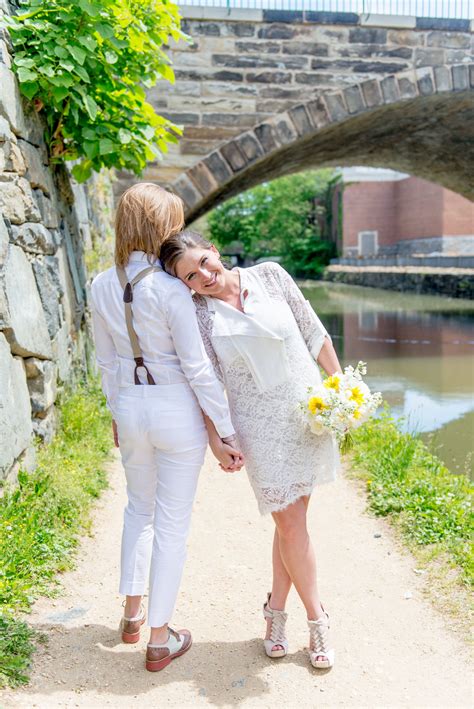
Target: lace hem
(277, 499)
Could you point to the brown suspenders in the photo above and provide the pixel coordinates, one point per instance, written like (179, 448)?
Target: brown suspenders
(127, 299)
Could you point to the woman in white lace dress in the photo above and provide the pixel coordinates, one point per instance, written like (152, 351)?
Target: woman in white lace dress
(264, 340)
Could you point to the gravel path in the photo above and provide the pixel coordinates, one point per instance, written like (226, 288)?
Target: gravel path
(392, 651)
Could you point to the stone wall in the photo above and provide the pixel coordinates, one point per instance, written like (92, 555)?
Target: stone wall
(48, 224)
(454, 282)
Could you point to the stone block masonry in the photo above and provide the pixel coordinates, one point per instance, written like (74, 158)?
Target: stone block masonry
(245, 67)
(47, 225)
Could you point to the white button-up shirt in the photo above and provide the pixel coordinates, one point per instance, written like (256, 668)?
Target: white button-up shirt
(164, 319)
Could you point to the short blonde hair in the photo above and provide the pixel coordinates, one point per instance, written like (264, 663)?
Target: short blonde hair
(146, 215)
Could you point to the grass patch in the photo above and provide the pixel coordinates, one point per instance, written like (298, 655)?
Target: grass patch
(429, 505)
(42, 518)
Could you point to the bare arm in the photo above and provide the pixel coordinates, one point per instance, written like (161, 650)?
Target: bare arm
(328, 359)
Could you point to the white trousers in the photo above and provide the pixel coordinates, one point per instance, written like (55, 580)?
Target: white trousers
(163, 441)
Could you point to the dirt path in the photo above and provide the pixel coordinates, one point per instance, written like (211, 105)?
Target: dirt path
(392, 651)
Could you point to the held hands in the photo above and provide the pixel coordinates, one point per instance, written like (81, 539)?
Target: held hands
(230, 459)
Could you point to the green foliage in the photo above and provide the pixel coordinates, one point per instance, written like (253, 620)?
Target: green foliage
(40, 520)
(286, 218)
(84, 64)
(411, 485)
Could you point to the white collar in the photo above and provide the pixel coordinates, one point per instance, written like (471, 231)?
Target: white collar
(141, 257)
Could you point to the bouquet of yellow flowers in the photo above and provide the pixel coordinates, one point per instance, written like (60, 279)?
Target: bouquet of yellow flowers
(340, 404)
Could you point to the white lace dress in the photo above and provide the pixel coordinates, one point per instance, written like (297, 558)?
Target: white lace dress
(265, 356)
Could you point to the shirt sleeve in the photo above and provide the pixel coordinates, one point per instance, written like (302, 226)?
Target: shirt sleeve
(106, 357)
(197, 368)
(311, 327)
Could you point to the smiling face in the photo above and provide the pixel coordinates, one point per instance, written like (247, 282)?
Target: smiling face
(201, 270)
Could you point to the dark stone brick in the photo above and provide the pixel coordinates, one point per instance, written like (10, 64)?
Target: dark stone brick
(250, 147)
(471, 74)
(371, 92)
(449, 25)
(241, 29)
(283, 93)
(285, 130)
(318, 113)
(460, 78)
(267, 137)
(332, 18)
(442, 77)
(378, 67)
(188, 75)
(264, 47)
(233, 155)
(425, 85)
(390, 89)
(313, 48)
(271, 106)
(277, 32)
(407, 88)
(336, 108)
(332, 64)
(301, 120)
(364, 51)
(218, 167)
(189, 119)
(367, 35)
(187, 191)
(286, 16)
(203, 178)
(196, 147)
(207, 29)
(250, 62)
(354, 100)
(314, 79)
(269, 77)
(225, 76)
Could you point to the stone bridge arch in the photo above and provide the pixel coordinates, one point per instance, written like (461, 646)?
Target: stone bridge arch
(420, 121)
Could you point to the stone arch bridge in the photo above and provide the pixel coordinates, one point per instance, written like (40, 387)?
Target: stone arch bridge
(261, 94)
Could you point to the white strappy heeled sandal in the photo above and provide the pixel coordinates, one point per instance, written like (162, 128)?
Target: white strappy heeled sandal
(277, 644)
(321, 653)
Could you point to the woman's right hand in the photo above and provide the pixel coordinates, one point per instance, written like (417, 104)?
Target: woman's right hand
(230, 459)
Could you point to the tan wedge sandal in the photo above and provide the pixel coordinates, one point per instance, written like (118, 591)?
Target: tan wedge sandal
(321, 653)
(277, 644)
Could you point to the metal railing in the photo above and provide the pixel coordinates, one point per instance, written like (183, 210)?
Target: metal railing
(451, 9)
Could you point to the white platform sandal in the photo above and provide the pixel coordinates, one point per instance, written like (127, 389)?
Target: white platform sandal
(277, 631)
(321, 653)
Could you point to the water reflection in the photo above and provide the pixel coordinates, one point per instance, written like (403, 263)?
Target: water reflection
(419, 350)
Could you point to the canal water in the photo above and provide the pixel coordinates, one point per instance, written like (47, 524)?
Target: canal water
(420, 354)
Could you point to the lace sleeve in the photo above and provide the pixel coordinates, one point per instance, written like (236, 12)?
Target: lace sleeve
(205, 322)
(310, 325)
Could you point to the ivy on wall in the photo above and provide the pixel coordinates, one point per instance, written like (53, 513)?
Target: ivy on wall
(85, 65)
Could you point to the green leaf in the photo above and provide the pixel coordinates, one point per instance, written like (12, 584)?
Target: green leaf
(25, 74)
(82, 171)
(124, 136)
(29, 89)
(87, 42)
(62, 79)
(91, 149)
(80, 71)
(105, 31)
(60, 92)
(69, 66)
(90, 106)
(61, 52)
(78, 53)
(24, 61)
(106, 146)
(90, 8)
(111, 57)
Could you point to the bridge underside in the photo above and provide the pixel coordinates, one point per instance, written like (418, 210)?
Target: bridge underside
(431, 137)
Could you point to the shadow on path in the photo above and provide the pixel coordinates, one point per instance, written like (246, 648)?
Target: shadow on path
(92, 659)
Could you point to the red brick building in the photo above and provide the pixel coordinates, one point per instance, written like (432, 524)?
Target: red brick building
(386, 213)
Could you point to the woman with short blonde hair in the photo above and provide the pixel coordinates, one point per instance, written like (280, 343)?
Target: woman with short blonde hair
(158, 380)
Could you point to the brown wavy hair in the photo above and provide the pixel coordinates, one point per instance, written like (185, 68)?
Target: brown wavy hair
(174, 248)
(146, 215)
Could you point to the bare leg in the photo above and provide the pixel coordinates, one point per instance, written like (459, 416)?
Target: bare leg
(280, 587)
(297, 555)
(132, 606)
